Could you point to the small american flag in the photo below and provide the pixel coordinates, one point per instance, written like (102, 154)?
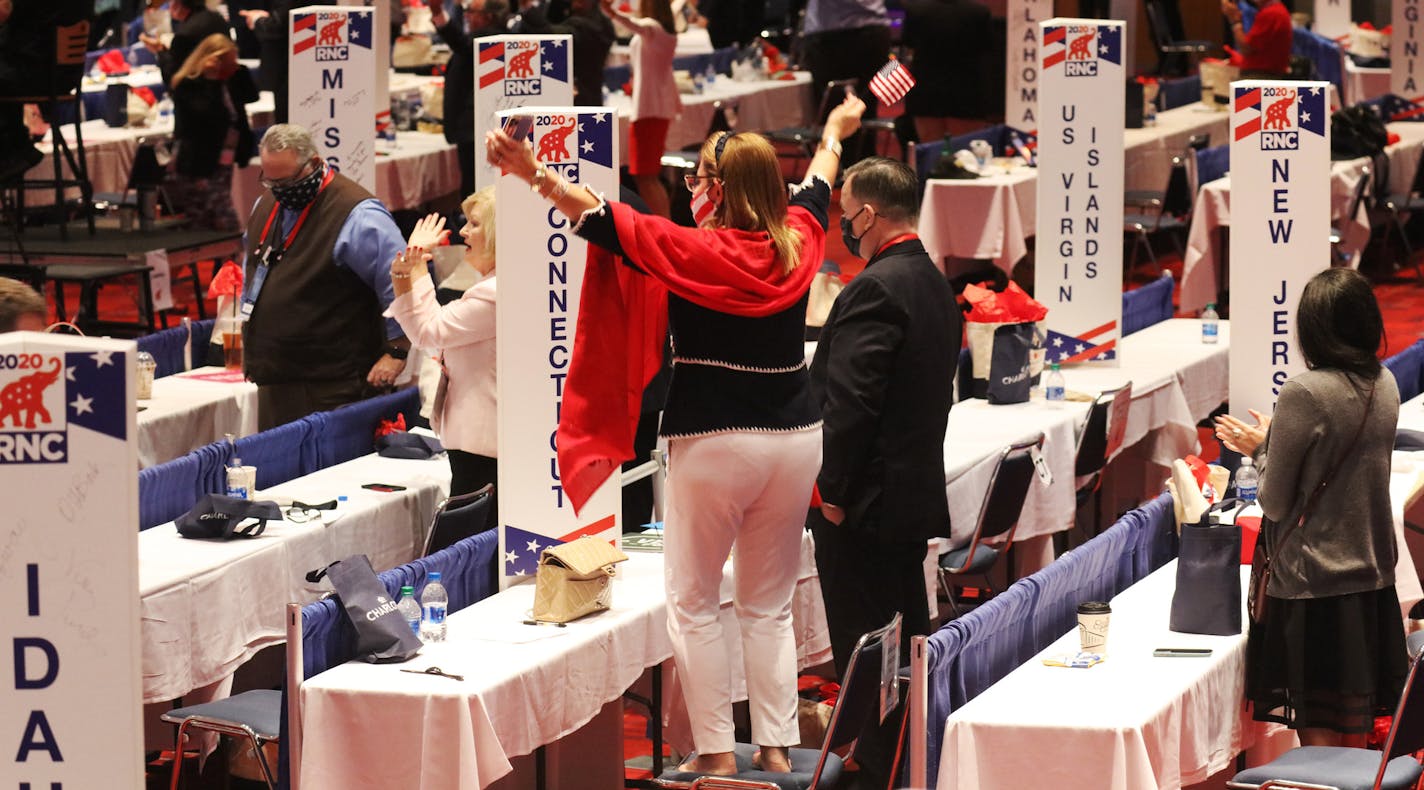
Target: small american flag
(892, 82)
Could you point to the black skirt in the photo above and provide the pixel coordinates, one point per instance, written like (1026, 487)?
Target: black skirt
(1332, 663)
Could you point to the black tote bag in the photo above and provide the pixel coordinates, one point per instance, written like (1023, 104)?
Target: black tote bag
(1009, 379)
(1208, 595)
(382, 634)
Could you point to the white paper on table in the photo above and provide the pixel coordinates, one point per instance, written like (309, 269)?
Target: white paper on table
(158, 284)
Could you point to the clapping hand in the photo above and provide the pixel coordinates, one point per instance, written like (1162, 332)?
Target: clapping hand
(1240, 437)
(429, 233)
(406, 262)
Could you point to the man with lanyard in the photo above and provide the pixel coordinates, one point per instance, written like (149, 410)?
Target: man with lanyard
(883, 375)
(317, 280)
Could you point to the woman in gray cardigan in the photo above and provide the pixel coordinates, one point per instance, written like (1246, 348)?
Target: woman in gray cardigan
(1328, 654)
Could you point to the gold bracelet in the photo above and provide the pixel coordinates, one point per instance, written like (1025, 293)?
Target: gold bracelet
(832, 146)
(400, 276)
(537, 180)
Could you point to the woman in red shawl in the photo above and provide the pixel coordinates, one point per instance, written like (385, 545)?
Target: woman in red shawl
(743, 434)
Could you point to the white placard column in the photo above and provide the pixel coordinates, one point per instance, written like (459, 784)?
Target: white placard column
(1078, 272)
(540, 264)
(336, 84)
(70, 693)
(1280, 228)
(1331, 18)
(1406, 67)
(1022, 66)
(517, 71)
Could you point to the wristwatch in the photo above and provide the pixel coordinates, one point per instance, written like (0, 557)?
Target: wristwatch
(395, 352)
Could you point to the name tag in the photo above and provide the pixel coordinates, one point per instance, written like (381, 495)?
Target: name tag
(253, 289)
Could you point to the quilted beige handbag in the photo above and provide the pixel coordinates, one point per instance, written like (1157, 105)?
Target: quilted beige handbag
(575, 579)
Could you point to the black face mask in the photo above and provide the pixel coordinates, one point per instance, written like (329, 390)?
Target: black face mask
(852, 241)
(298, 194)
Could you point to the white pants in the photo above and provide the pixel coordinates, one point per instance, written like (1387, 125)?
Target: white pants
(744, 493)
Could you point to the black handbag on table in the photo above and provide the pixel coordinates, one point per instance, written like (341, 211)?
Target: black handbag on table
(1208, 595)
(382, 634)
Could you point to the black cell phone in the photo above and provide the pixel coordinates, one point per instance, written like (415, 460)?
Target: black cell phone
(387, 487)
(1182, 652)
(518, 127)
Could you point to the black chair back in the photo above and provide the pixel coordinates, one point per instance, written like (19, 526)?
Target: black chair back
(859, 698)
(1101, 435)
(1406, 734)
(1158, 25)
(457, 518)
(834, 93)
(1007, 488)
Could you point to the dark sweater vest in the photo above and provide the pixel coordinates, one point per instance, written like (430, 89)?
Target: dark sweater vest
(314, 320)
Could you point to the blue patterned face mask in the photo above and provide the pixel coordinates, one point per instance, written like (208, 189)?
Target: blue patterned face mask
(299, 193)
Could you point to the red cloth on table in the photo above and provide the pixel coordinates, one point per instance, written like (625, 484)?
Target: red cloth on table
(622, 323)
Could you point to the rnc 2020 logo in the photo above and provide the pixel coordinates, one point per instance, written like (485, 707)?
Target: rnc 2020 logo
(43, 396)
(1080, 48)
(1279, 114)
(523, 65)
(331, 34)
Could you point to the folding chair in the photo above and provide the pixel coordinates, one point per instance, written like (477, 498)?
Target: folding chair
(812, 769)
(1398, 208)
(1169, 49)
(1347, 768)
(1339, 257)
(63, 88)
(458, 517)
(1171, 214)
(998, 518)
(255, 715)
(806, 138)
(1098, 442)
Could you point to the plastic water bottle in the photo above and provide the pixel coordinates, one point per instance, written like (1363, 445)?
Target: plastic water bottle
(165, 110)
(1053, 387)
(1248, 480)
(409, 609)
(1211, 324)
(433, 602)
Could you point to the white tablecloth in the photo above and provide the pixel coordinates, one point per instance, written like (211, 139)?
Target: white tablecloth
(420, 168)
(187, 412)
(993, 217)
(373, 726)
(1213, 211)
(1133, 722)
(1176, 381)
(761, 106)
(209, 606)
(1362, 84)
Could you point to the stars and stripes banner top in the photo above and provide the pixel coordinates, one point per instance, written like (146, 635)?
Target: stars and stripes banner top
(1081, 42)
(892, 82)
(1258, 109)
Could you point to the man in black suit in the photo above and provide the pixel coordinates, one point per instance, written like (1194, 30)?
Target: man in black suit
(593, 36)
(193, 21)
(883, 375)
(481, 18)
